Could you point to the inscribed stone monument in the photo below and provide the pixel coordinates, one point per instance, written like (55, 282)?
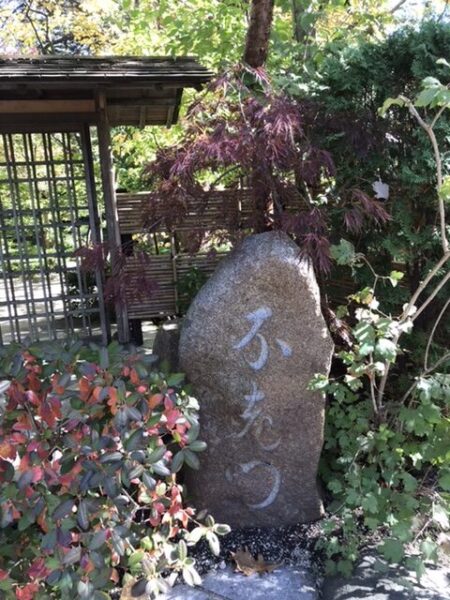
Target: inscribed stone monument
(251, 341)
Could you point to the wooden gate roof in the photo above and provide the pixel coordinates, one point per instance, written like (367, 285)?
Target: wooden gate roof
(109, 70)
(137, 90)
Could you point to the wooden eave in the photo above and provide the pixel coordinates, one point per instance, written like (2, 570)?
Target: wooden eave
(137, 91)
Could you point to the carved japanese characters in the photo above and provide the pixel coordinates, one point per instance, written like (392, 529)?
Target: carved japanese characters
(252, 339)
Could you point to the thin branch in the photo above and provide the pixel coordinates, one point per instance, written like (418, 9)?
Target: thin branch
(413, 386)
(372, 392)
(438, 363)
(429, 131)
(397, 6)
(406, 315)
(30, 20)
(438, 115)
(445, 245)
(423, 285)
(431, 296)
(433, 331)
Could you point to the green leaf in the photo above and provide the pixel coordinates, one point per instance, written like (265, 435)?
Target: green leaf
(191, 459)
(111, 457)
(222, 529)
(410, 483)
(182, 550)
(343, 253)
(148, 480)
(364, 332)
(136, 559)
(213, 542)
(175, 379)
(63, 509)
(135, 471)
(85, 590)
(72, 556)
(138, 588)
(191, 577)
(98, 539)
(426, 97)
(134, 441)
(444, 191)
(177, 461)
(393, 550)
(345, 567)
(444, 481)
(442, 61)
(160, 468)
(440, 516)
(429, 549)
(83, 515)
(103, 357)
(193, 432)
(370, 503)
(371, 523)
(196, 534)
(156, 455)
(198, 446)
(416, 564)
(395, 277)
(118, 543)
(386, 349)
(366, 348)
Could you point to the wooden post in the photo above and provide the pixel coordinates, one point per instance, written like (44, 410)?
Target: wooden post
(94, 221)
(112, 221)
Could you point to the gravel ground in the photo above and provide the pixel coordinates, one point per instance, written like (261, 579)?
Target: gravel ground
(282, 545)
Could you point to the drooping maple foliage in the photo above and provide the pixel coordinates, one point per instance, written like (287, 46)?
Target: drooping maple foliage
(244, 131)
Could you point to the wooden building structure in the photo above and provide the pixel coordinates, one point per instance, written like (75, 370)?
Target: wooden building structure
(49, 196)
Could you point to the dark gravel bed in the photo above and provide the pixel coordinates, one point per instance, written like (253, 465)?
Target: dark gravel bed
(294, 545)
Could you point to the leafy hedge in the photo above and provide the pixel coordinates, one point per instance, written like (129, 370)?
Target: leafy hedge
(90, 444)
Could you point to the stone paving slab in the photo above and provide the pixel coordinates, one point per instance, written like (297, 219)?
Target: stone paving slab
(391, 583)
(286, 583)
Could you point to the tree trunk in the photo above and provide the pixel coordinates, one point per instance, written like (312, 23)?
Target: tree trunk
(297, 11)
(258, 33)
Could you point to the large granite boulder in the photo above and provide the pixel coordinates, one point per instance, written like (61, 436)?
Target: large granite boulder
(251, 341)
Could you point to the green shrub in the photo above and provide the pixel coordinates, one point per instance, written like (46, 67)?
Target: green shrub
(387, 449)
(90, 444)
(349, 88)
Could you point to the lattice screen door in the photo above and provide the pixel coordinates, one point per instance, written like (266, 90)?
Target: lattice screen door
(47, 210)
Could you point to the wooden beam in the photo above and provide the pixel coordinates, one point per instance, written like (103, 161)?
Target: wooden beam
(46, 106)
(112, 220)
(24, 125)
(139, 101)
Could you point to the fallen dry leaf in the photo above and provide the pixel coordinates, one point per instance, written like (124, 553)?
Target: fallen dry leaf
(247, 564)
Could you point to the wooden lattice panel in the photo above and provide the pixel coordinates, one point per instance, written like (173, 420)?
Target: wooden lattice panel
(218, 210)
(223, 209)
(166, 271)
(47, 211)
